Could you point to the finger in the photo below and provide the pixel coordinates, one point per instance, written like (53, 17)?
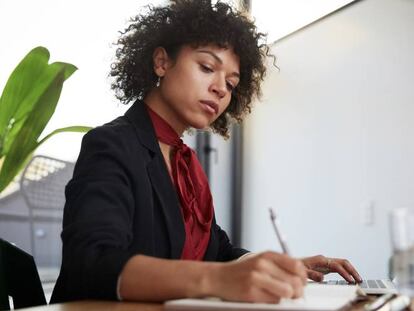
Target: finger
(315, 275)
(270, 269)
(294, 281)
(335, 266)
(293, 266)
(297, 288)
(278, 288)
(351, 270)
(257, 294)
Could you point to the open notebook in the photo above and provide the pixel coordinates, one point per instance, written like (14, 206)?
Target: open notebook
(317, 297)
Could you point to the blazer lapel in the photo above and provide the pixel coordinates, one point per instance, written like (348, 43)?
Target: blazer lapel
(160, 179)
(162, 185)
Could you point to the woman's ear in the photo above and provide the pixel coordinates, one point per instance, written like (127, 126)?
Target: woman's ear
(161, 61)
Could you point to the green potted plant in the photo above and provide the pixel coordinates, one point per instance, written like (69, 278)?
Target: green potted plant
(27, 103)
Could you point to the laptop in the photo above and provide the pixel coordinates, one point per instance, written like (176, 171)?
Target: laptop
(371, 287)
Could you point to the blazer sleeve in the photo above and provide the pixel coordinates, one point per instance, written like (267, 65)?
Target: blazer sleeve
(227, 251)
(98, 216)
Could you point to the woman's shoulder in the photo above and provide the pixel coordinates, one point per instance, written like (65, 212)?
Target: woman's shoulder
(117, 130)
(118, 134)
(135, 123)
(118, 126)
(130, 135)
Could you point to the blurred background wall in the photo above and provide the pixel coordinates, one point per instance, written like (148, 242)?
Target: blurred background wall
(331, 146)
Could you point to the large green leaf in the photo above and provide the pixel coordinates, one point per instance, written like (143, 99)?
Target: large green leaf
(51, 79)
(21, 82)
(28, 102)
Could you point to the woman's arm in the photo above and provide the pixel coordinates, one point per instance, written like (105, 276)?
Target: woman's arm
(266, 277)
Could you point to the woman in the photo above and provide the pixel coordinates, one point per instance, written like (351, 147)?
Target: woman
(139, 220)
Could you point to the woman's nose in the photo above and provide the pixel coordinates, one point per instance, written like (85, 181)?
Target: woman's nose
(219, 87)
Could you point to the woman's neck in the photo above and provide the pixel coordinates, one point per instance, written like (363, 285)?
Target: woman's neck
(157, 104)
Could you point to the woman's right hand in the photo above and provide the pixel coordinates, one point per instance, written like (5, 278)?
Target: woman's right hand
(265, 277)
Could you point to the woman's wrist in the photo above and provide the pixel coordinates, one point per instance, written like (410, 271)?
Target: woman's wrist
(206, 285)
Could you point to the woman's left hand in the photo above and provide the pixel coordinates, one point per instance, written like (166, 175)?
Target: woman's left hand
(319, 265)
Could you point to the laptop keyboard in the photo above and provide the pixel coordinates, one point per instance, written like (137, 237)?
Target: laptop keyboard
(364, 284)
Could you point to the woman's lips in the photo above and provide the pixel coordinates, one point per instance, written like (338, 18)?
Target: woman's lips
(210, 106)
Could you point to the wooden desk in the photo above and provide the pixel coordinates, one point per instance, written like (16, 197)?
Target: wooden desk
(127, 306)
(98, 306)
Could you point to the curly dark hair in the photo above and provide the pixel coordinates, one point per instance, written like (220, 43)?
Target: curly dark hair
(195, 23)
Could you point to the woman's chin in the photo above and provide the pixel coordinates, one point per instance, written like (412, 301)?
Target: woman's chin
(200, 124)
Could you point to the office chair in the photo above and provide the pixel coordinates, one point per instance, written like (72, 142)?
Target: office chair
(18, 278)
(42, 185)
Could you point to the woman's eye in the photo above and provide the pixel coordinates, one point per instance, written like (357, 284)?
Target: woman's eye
(205, 68)
(230, 86)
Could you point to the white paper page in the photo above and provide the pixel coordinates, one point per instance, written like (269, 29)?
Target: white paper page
(317, 297)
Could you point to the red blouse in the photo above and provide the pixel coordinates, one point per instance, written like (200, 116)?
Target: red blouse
(192, 188)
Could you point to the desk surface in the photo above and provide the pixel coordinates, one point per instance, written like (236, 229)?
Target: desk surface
(127, 306)
(98, 306)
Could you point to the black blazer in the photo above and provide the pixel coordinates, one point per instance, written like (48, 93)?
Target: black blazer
(119, 203)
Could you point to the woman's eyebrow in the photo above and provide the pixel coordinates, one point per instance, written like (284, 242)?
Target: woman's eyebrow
(218, 59)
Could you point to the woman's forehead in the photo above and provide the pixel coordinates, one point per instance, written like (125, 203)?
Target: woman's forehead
(222, 55)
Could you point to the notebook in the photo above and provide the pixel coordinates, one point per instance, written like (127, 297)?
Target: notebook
(375, 287)
(320, 297)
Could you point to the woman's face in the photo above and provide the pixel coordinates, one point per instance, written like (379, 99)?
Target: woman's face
(197, 86)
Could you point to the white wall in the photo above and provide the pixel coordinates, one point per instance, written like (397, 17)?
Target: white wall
(278, 18)
(334, 134)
